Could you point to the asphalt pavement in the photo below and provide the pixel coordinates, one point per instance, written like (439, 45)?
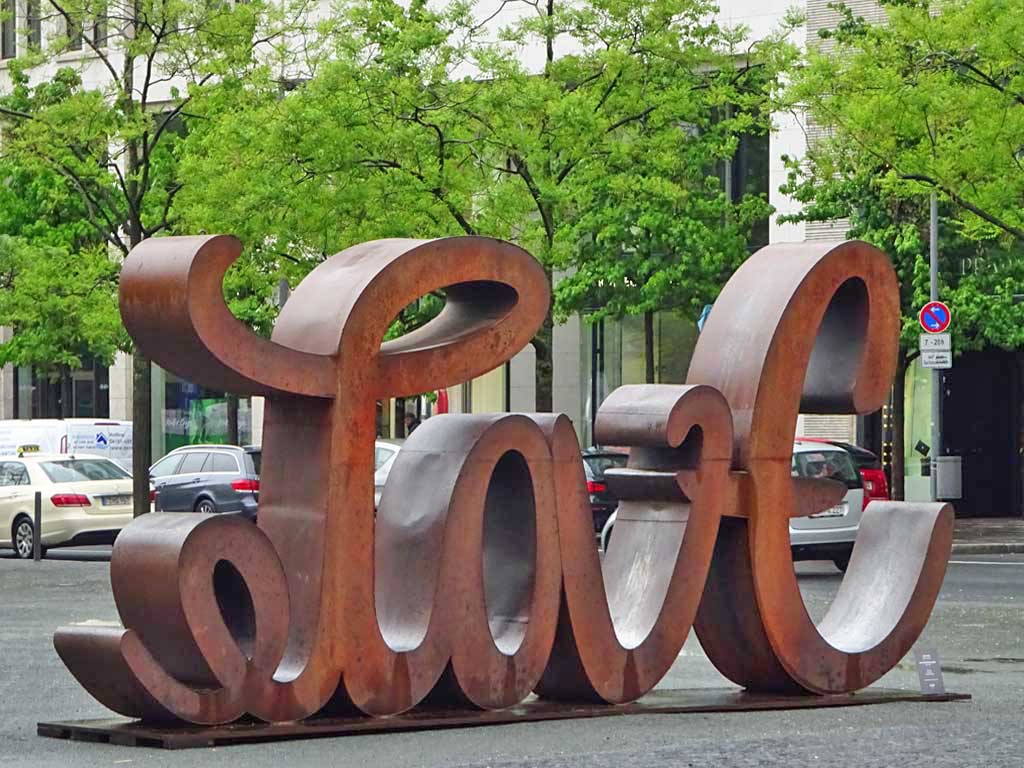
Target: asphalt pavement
(977, 629)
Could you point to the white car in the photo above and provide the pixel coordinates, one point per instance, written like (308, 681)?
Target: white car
(85, 500)
(828, 535)
(384, 454)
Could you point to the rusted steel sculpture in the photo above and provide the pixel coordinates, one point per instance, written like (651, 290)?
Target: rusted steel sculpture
(477, 581)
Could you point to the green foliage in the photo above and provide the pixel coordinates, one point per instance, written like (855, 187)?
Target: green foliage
(420, 120)
(87, 163)
(937, 99)
(927, 102)
(61, 306)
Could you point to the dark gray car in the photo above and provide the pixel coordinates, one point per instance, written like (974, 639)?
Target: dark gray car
(208, 478)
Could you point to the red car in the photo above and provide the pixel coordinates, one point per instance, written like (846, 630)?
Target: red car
(875, 486)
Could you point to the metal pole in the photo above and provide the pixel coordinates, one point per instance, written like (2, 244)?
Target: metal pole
(933, 232)
(37, 532)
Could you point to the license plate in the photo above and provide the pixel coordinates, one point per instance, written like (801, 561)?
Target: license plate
(839, 510)
(116, 501)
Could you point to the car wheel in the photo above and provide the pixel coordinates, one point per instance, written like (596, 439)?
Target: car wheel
(206, 507)
(842, 562)
(23, 537)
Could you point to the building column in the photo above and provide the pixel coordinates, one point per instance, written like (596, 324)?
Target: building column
(7, 382)
(120, 376)
(566, 385)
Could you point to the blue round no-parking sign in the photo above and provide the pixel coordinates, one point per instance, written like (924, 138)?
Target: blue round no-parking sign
(934, 317)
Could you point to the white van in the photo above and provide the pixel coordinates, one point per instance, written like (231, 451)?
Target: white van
(99, 437)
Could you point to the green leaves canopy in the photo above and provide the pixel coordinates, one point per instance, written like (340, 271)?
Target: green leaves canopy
(927, 102)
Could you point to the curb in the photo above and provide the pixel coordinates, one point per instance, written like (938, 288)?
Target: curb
(989, 549)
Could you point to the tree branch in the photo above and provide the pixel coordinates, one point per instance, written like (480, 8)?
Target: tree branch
(980, 213)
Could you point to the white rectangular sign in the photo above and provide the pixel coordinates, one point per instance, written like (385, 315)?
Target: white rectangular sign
(937, 359)
(936, 342)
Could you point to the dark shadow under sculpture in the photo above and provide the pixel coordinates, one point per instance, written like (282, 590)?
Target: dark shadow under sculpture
(477, 582)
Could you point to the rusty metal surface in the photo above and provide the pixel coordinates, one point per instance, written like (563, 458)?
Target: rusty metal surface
(661, 702)
(477, 581)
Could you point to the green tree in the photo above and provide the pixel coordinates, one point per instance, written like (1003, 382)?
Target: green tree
(658, 231)
(62, 307)
(925, 103)
(934, 99)
(116, 144)
(430, 121)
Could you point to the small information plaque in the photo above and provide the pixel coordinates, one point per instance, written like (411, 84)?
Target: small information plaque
(935, 342)
(942, 360)
(929, 671)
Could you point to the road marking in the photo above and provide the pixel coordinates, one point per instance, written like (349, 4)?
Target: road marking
(982, 562)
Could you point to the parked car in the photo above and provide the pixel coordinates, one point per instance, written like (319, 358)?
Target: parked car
(876, 487)
(85, 500)
(208, 478)
(828, 535)
(602, 501)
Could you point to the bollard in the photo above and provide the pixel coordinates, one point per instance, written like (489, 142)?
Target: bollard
(37, 532)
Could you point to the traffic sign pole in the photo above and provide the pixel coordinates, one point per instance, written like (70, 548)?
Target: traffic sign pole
(933, 253)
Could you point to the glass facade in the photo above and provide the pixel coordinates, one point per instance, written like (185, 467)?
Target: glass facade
(613, 353)
(917, 427)
(194, 414)
(42, 396)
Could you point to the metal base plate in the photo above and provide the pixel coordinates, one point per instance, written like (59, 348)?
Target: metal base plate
(134, 733)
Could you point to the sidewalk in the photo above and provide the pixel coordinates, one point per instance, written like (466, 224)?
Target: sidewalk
(988, 536)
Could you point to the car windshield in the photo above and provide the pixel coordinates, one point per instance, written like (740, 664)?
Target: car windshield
(381, 456)
(831, 465)
(79, 470)
(601, 462)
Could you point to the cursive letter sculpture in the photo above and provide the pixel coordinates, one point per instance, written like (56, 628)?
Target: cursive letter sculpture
(477, 581)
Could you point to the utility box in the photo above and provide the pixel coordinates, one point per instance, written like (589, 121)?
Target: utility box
(949, 477)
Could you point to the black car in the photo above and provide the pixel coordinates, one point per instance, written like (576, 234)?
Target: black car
(208, 478)
(602, 501)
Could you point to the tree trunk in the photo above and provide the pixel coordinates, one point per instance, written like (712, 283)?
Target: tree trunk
(142, 431)
(649, 347)
(66, 393)
(232, 409)
(899, 389)
(543, 373)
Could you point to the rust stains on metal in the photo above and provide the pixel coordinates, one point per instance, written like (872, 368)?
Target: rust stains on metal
(477, 581)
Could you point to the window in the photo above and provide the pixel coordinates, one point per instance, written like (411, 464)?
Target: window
(831, 465)
(34, 24)
(74, 33)
(79, 470)
(255, 458)
(8, 29)
(99, 26)
(13, 473)
(596, 465)
(193, 462)
(381, 456)
(168, 465)
(222, 462)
